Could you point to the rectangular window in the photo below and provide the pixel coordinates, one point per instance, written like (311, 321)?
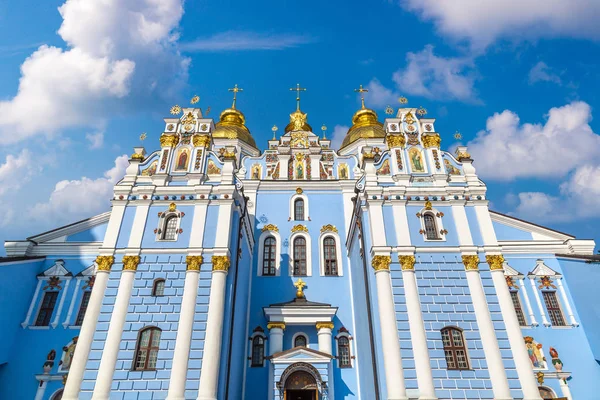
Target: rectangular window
(83, 307)
(518, 309)
(46, 309)
(553, 307)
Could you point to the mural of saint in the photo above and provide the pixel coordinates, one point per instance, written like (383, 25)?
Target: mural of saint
(534, 351)
(68, 356)
(452, 170)
(384, 169)
(343, 171)
(212, 168)
(256, 171)
(151, 170)
(299, 170)
(182, 160)
(416, 160)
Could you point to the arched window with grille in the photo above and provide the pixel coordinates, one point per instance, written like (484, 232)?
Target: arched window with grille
(431, 232)
(258, 351)
(455, 349)
(343, 350)
(170, 228)
(158, 289)
(300, 341)
(146, 352)
(300, 256)
(299, 209)
(269, 256)
(330, 257)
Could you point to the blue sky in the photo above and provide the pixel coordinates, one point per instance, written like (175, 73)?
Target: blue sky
(82, 79)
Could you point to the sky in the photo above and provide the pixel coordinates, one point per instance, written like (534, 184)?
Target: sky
(82, 79)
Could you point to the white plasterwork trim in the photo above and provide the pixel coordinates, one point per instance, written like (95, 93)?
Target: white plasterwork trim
(338, 253)
(300, 334)
(306, 236)
(306, 209)
(350, 347)
(261, 248)
(439, 225)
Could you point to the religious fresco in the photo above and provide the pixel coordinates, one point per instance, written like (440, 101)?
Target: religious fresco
(534, 351)
(212, 168)
(452, 170)
(182, 159)
(417, 162)
(68, 352)
(343, 171)
(256, 172)
(151, 170)
(384, 169)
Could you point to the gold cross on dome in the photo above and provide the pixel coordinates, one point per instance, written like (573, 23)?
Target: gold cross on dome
(235, 91)
(298, 89)
(362, 96)
(300, 285)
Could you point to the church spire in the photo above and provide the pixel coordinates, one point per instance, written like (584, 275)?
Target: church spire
(298, 89)
(298, 118)
(235, 91)
(362, 96)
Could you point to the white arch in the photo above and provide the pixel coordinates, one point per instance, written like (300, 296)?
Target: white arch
(306, 236)
(306, 211)
(347, 335)
(298, 334)
(261, 248)
(338, 252)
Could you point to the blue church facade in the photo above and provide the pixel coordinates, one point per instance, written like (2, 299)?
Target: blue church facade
(373, 271)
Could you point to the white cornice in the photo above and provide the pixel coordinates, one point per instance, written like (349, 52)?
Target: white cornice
(71, 229)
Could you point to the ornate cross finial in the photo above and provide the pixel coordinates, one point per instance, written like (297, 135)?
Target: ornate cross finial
(274, 129)
(298, 89)
(457, 135)
(324, 129)
(300, 285)
(235, 89)
(143, 137)
(362, 97)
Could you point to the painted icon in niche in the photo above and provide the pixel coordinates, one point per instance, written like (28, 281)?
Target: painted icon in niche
(416, 160)
(212, 168)
(182, 160)
(151, 170)
(384, 169)
(69, 350)
(343, 171)
(534, 351)
(256, 171)
(452, 170)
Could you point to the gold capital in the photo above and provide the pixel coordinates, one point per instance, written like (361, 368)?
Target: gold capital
(395, 141)
(169, 140)
(407, 263)
(220, 263)
(130, 263)
(496, 261)
(104, 262)
(326, 325)
(280, 325)
(201, 140)
(381, 263)
(194, 262)
(431, 140)
(471, 262)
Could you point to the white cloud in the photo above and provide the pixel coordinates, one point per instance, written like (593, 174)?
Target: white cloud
(485, 21)
(96, 140)
(379, 96)
(508, 149)
(118, 51)
(243, 40)
(16, 170)
(339, 133)
(81, 198)
(541, 72)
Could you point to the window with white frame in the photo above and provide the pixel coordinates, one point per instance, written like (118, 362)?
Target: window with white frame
(299, 245)
(300, 340)
(330, 251)
(85, 301)
(299, 207)
(257, 347)
(344, 348)
(514, 295)
(553, 306)
(169, 224)
(551, 296)
(455, 349)
(269, 253)
(269, 256)
(432, 227)
(299, 251)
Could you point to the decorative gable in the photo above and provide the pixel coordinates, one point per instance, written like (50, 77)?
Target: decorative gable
(510, 271)
(58, 269)
(301, 353)
(89, 271)
(542, 269)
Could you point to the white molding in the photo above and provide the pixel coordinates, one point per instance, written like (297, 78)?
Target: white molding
(300, 315)
(58, 269)
(261, 247)
(529, 227)
(306, 236)
(71, 229)
(523, 290)
(73, 300)
(162, 227)
(61, 302)
(250, 349)
(565, 300)
(338, 253)
(306, 207)
(439, 225)
(542, 269)
(350, 348)
(538, 300)
(300, 334)
(32, 304)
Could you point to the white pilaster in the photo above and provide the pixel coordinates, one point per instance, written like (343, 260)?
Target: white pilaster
(486, 226)
(564, 388)
(275, 337)
(563, 295)
(41, 390)
(88, 327)
(183, 341)
(376, 223)
(114, 225)
(392, 361)
(417, 330)
(401, 223)
(513, 330)
(61, 303)
(72, 305)
(538, 300)
(462, 224)
(487, 332)
(32, 304)
(324, 335)
(532, 319)
(115, 330)
(224, 224)
(209, 376)
(198, 224)
(139, 223)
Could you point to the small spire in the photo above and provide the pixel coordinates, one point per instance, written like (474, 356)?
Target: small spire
(362, 96)
(274, 129)
(298, 89)
(324, 129)
(235, 91)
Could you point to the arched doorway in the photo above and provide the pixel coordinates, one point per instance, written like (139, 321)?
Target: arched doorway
(546, 393)
(301, 385)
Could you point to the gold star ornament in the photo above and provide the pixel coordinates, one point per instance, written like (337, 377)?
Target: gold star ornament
(195, 99)
(175, 110)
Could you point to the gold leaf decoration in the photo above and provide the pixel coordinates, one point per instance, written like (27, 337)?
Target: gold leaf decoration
(130, 263)
(270, 227)
(495, 261)
(328, 228)
(104, 262)
(175, 110)
(471, 262)
(381, 263)
(299, 228)
(194, 262)
(407, 263)
(220, 263)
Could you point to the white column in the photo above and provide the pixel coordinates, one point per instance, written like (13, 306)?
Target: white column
(324, 335)
(115, 330)
(41, 390)
(32, 304)
(392, 361)
(417, 329)
(275, 337)
(61, 303)
(183, 341)
(532, 319)
(513, 330)
(486, 330)
(139, 223)
(401, 223)
(209, 376)
(563, 294)
(461, 222)
(72, 305)
(564, 388)
(538, 300)
(88, 327)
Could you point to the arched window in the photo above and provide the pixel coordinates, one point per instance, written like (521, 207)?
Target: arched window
(299, 210)
(58, 395)
(300, 256)
(430, 229)
(344, 352)
(170, 230)
(85, 300)
(300, 341)
(454, 348)
(546, 393)
(269, 256)
(330, 256)
(147, 349)
(159, 288)
(258, 351)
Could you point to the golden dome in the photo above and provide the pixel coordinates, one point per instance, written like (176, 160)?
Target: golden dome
(364, 126)
(231, 125)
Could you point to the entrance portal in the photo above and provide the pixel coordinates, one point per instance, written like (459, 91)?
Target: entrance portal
(300, 395)
(301, 385)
